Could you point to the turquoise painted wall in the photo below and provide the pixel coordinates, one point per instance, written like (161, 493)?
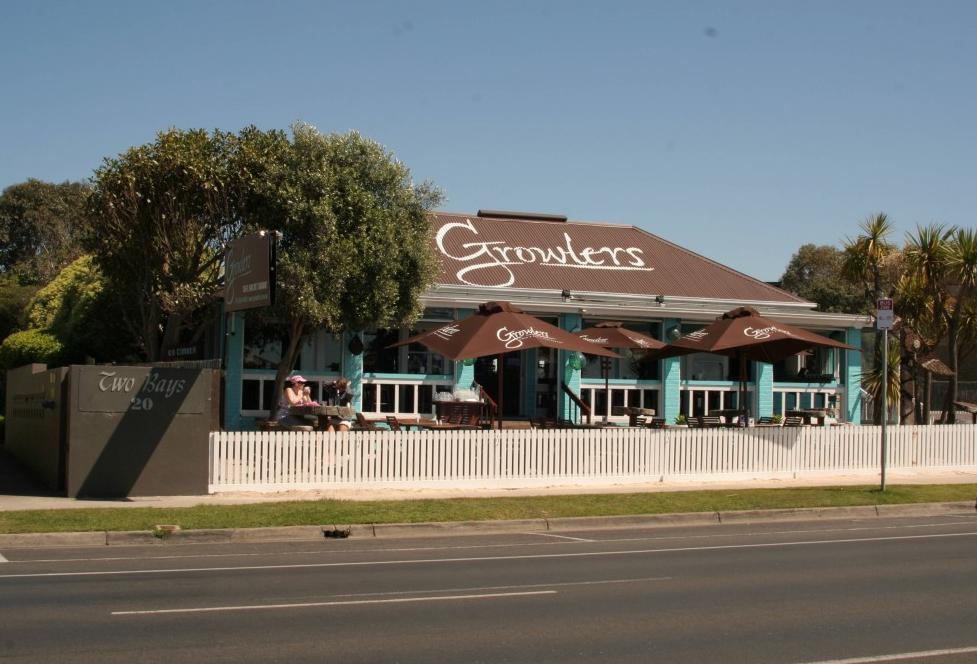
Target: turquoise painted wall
(763, 387)
(353, 370)
(464, 376)
(565, 408)
(671, 370)
(853, 377)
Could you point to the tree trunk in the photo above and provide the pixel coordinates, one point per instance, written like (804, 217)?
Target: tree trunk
(949, 410)
(927, 397)
(907, 381)
(171, 334)
(290, 352)
(878, 408)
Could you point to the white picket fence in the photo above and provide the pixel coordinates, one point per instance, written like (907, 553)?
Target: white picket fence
(280, 461)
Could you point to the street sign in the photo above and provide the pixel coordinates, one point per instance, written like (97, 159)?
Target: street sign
(884, 315)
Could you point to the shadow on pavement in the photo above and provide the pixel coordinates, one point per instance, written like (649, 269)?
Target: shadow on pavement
(18, 480)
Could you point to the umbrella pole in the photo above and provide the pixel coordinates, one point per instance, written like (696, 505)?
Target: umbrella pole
(605, 365)
(499, 373)
(744, 393)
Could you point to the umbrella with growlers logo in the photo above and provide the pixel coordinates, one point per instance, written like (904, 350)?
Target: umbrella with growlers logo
(612, 334)
(498, 328)
(744, 334)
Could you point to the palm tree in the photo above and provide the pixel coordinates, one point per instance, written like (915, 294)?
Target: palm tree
(873, 378)
(864, 263)
(923, 294)
(865, 256)
(962, 276)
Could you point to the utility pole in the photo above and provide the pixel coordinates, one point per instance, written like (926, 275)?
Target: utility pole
(884, 319)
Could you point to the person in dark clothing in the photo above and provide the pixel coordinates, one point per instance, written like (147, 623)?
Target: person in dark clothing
(341, 396)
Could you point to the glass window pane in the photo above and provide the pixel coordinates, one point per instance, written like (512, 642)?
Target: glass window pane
(425, 403)
(406, 398)
(251, 394)
(268, 402)
(387, 398)
(369, 397)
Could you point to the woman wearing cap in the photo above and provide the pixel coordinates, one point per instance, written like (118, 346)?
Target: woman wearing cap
(294, 394)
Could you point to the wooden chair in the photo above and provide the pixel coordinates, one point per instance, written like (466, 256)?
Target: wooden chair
(393, 423)
(793, 421)
(710, 421)
(767, 421)
(657, 423)
(365, 424)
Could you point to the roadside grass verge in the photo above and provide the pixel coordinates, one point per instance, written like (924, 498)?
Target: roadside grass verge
(340, 512)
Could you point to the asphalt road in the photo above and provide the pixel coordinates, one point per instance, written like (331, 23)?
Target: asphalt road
(786, 593)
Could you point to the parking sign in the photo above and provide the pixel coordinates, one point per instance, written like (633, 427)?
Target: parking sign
(884, 315)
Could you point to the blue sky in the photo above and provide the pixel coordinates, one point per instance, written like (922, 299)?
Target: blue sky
(737, 129)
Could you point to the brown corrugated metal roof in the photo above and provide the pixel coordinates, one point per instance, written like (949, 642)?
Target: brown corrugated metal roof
(583, 257)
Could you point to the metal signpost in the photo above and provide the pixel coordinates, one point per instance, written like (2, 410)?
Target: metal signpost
(884, 318)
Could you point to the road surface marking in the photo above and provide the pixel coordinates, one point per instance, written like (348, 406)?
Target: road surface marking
(898, 656)
(352, 602)
(2, 559)
(475, 559)
(562, 584)
(575, 539)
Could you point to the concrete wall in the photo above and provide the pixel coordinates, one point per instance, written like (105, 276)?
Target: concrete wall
(36, 421)
(140, 431)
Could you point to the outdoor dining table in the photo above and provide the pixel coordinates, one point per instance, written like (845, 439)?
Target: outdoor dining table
(322, 414)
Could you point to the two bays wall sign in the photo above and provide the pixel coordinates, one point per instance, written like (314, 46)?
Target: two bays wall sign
(249, 272)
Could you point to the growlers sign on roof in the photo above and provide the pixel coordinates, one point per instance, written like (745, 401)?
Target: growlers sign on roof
(249, 273)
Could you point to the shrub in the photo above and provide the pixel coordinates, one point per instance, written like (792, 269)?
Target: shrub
(29, 346)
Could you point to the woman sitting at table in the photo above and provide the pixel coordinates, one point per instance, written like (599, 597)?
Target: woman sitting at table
(294, 394)
(341, 396)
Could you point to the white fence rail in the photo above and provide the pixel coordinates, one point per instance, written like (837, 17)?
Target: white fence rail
(277, 461)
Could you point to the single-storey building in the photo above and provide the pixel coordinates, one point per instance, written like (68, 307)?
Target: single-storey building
(572, 274)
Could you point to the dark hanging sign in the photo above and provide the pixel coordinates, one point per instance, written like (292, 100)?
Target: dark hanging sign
(249, 272)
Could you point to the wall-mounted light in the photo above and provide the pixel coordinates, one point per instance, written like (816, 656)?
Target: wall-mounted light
(660, 299)
(565, 294)
(674, 333)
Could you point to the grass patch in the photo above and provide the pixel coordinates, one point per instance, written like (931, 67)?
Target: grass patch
(330, 512)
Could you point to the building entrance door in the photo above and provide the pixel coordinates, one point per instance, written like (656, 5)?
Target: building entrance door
(486, 375)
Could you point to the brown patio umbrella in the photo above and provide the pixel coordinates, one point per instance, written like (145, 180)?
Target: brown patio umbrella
(498, 328)
(613, 334)
(744, 334)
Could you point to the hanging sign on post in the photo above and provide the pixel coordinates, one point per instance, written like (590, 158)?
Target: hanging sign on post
(884, 315)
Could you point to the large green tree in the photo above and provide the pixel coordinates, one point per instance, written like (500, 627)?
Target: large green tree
(161, 214)
(77, 307)
(355, 230)
(816, 273)
(40, 224)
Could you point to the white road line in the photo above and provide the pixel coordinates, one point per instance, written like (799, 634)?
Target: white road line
(421, 561)
(567, 537)
(2, 559)
(400, 600)
(897, 656)
(523, 586)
